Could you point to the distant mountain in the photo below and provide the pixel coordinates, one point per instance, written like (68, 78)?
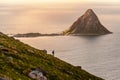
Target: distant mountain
(87, 24)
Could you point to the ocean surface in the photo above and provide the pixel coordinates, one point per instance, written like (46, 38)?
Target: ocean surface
(99, 55)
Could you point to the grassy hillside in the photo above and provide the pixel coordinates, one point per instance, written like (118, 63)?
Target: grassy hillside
(20, 58)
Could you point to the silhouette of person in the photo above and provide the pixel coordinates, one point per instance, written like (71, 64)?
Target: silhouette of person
(53, 52)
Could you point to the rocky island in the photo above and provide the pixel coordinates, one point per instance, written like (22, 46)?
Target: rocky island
(19, 61)
(35, 35)
(87, 24)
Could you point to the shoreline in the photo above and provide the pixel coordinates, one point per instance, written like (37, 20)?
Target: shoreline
(27, 35)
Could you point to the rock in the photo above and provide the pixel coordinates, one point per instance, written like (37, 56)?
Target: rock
(1, 46)
(66, 71)
(15, 52)
(41, 70)
(44, 51)
(79, 67)
(9, 58)
(1, 78)
(87, 24)
(29, 50)
(5, 51)
(35, 74)
(38, 74)
(69, 72)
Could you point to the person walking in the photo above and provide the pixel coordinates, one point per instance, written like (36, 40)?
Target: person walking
(53, 52)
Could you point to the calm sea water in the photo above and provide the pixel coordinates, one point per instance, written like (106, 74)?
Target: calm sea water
(100, 55)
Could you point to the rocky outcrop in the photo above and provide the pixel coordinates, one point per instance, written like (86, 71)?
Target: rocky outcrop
(1, 78)
(87, 24)
(38, 74)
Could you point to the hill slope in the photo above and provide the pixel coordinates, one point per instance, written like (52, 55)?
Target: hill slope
(17, 59)
(87, 24)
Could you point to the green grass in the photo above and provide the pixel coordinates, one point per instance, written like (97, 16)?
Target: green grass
(26, 58)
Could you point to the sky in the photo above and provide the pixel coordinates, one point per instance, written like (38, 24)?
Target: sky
(54, 1)
(56, 16)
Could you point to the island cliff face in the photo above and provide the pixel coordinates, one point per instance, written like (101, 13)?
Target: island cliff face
(87, 24)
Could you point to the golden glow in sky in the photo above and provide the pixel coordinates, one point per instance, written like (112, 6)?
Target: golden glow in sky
(38, 1)
(52, 1)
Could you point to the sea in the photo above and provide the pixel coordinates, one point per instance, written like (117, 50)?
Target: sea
(99, 55)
